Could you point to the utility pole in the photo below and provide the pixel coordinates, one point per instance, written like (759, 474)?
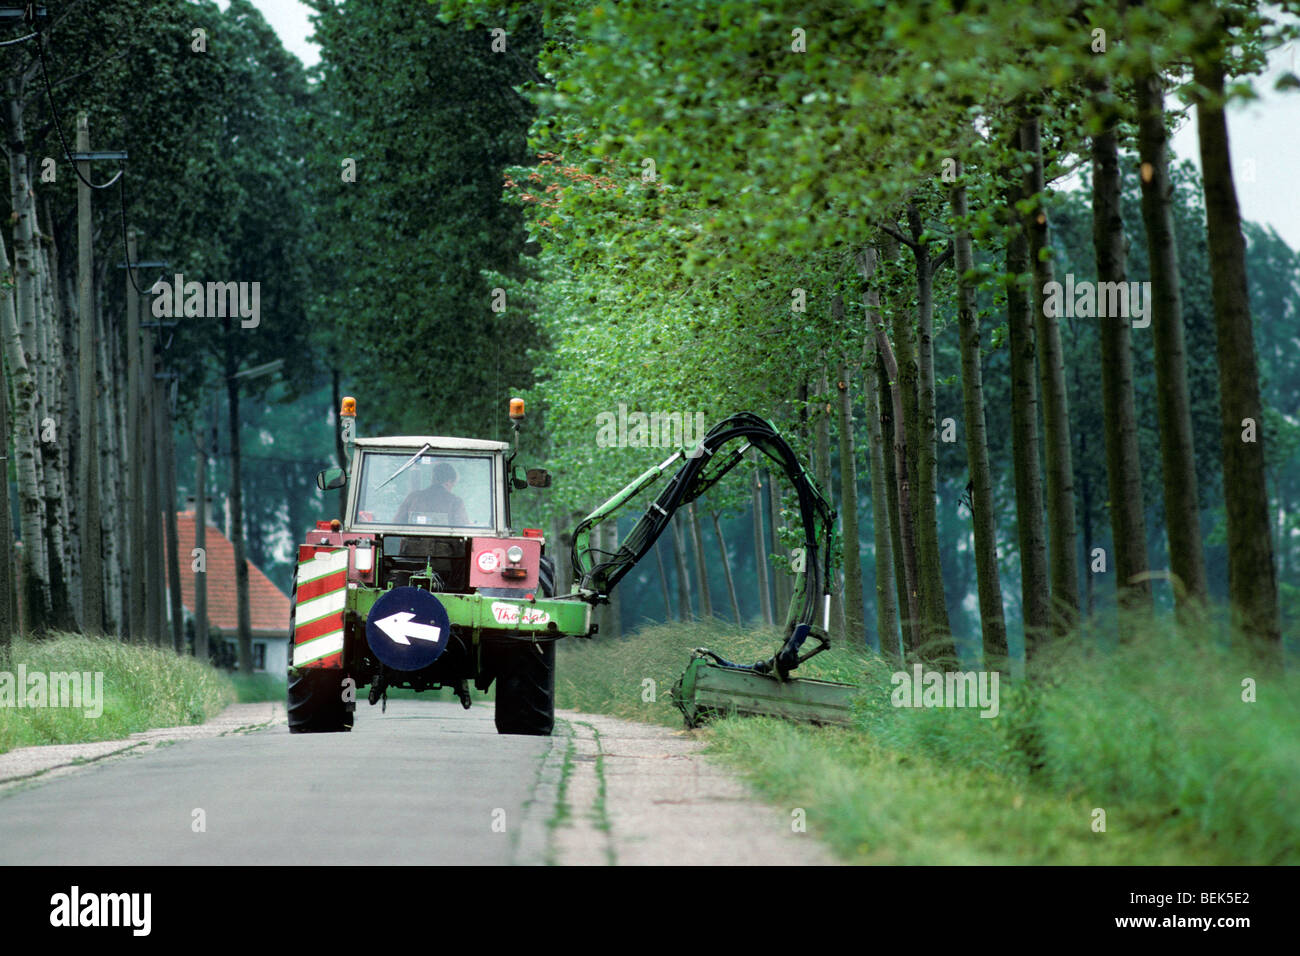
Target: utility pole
(135, 564)
(201, 537)
(92, 585)
(6, 532)
(168, 451)
(237, 510)
(155, 583)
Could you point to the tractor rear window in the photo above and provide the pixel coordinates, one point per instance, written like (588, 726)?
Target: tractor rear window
(425, 490)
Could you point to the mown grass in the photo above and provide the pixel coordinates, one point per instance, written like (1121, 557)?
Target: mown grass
(143, 688)
(1155, 733)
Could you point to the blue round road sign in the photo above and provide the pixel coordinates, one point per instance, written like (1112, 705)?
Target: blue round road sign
(408, 628)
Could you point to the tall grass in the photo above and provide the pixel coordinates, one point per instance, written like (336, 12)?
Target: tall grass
(144, 687)
(1157, 725)
(1153, 731)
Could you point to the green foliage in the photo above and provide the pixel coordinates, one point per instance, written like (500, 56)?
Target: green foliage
(402, 308)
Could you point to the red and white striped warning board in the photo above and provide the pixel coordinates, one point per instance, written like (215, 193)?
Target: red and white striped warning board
(318, 616)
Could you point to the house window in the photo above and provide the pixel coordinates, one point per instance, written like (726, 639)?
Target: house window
(259, 655)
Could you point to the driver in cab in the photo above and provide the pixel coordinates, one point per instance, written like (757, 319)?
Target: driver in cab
(436, 504)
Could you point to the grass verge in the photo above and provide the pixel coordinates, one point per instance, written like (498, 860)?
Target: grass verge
(143, 688)
(1158, 734)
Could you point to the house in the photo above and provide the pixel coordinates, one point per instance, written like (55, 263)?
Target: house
(268, 606)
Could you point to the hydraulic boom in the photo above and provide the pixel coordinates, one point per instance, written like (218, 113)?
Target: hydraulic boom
(597, 572)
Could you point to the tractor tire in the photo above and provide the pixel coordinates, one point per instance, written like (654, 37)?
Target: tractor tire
(525, 688)
(315, 702)
(314, 699)
(526, 676)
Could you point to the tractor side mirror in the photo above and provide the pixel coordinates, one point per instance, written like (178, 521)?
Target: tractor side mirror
(331, 478)
(539, 478)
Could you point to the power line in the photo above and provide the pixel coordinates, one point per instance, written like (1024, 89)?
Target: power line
(121, 172)
(126, 246)
(54, 112)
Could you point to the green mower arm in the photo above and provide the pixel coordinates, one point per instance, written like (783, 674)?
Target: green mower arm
(597, 572)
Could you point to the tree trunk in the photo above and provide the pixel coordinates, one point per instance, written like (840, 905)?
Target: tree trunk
(781, 589)
(32, 602)
(615, 607)
(1123, 469)
(1252, 577)
(122, 479)
(993, 625)
(53, 455)
(237, 514)
(663, 582)
(760, 545)
(201, 541)
(1177, 453)
(1063, 540)
(173, 535)
(1085, 493)
(726, 570)
(855, 628)
(24, 365)
(113, 530)
(71, 421)
(339, 449)
(701, 563)
(1035, 597)
(6, 530)
(894, 510)
(822, 465)
(913, 626)
(886, 597)
(683, 581)
(934, 609)
(157, 494)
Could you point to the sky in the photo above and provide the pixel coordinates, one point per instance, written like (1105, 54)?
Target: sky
(1264, 135)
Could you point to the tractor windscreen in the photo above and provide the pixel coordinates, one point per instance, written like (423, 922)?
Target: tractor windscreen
(434, 491)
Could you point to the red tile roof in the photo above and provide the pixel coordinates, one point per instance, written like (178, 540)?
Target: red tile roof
(268, 606)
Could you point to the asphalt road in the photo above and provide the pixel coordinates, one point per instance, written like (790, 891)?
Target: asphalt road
(424, 783)
(418, 784)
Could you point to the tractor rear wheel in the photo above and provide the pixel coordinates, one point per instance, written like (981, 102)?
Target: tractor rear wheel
(526, 676)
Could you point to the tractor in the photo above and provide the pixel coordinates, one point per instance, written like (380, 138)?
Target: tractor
(424, 583)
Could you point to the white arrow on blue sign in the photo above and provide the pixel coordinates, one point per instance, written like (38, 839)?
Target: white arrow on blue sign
(408, 628)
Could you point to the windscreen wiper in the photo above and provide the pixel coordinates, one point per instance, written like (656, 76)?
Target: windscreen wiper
(412, 461)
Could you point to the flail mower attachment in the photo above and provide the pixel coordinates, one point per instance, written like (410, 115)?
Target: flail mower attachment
(713, 686)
